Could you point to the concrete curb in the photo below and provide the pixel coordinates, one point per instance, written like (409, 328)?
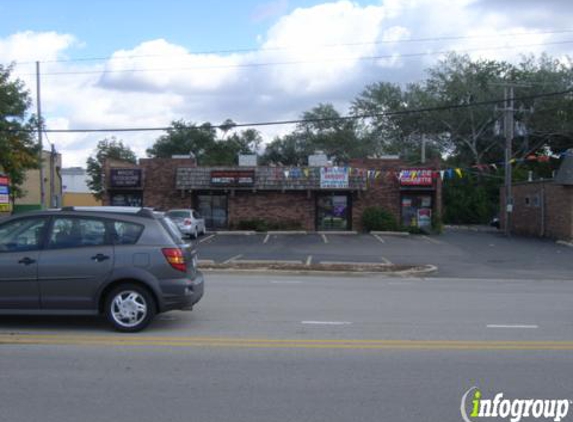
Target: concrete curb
(235, 232)
(317, 269)
(276, 232)
(327, 232)
(379, 233)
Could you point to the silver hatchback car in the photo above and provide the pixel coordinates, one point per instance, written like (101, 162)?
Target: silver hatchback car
(125, 263)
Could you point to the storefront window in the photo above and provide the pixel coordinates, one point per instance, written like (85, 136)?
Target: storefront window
(213, 208)
(126, 199)
(333, 212)
(416, 210)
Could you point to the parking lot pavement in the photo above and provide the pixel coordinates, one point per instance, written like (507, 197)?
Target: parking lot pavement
(456, 253)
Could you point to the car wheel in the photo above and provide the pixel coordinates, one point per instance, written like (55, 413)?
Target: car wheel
(129, 308)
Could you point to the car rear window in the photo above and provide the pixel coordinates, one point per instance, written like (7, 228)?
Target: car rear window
(127, 233)
(171, 229)
(178, 214)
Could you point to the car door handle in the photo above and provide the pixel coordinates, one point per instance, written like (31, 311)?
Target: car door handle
(100, 257)
(26, 261)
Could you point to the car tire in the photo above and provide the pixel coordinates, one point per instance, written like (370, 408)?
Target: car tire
(129, 308)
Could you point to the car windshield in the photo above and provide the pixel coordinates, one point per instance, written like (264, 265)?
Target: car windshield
(178, 214)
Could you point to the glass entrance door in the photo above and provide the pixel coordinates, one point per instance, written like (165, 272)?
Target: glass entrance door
(333, 212)
(213, 208)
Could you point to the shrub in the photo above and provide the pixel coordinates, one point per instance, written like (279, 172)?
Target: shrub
(260, 225)
(376, 218)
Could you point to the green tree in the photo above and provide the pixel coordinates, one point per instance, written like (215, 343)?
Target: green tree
(183, 138)
(289, 150)
(202, 141)
(18, 149)
(106, 148)
(322, 129)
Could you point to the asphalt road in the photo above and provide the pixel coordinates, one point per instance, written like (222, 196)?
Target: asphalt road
(271, 348)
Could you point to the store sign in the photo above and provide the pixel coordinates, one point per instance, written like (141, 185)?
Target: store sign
(416, 177)
(334, 178)
(5, 204)
(125, 178)
(236, 178)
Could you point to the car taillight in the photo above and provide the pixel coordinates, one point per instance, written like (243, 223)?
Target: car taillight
(187, 221)
(175, 258)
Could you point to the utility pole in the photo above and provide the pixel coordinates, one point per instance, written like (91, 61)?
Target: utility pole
(423, 158)
(41, 155)
(508, 129)
(53, 197)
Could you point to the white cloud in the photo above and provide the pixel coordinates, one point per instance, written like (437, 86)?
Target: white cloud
(328, 52)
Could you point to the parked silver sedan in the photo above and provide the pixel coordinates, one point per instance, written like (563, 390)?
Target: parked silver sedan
(189, 221)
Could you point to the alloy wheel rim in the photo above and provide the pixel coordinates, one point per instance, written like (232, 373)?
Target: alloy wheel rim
(128, 308)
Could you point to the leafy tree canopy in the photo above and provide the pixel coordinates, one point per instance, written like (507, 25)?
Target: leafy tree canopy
(18, 149)
(106, 148)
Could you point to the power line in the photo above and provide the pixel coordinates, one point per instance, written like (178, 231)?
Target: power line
(285, 48)
(296, 62)
(297, 121)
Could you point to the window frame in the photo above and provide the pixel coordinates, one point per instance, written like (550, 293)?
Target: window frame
(42, 241)
(47, 236)
(114, 235)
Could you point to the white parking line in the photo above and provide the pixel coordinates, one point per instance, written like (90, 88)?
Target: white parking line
(206, 238)
(326, 322)
(386, 260)
(267, 237)
(309, 260)
(286, 282)
(379, 238)
(232, 259)
(512, 326)
(434, 241)
(324, 238)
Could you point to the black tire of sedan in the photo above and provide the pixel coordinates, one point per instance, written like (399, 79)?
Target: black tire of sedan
(129, 308)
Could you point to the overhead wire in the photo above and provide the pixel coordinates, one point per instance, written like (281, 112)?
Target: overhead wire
(298, 121)
(294, 47)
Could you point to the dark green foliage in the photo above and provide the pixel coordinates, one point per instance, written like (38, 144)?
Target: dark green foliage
(379, 219)
(472, 199)
(106, 148)
(202, 141)
(260, 225)
(19, 150)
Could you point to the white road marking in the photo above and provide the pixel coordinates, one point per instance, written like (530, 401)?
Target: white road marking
(207, 238)
(379, 238)
(512, 326)
(434, 241)
(232, 259)
(324, 238)
(326, 322)
(309, 260)
(267, 237)
(386, 260)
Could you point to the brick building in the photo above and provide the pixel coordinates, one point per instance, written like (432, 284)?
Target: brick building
(544, 208)
(320, 197)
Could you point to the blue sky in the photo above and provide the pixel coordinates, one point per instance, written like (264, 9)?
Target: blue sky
(314, 51)
(103, 26)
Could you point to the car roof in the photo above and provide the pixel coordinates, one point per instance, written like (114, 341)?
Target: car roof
(104, 210)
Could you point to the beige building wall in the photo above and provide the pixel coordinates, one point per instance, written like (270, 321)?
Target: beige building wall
(31, 186)
(75, 199)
